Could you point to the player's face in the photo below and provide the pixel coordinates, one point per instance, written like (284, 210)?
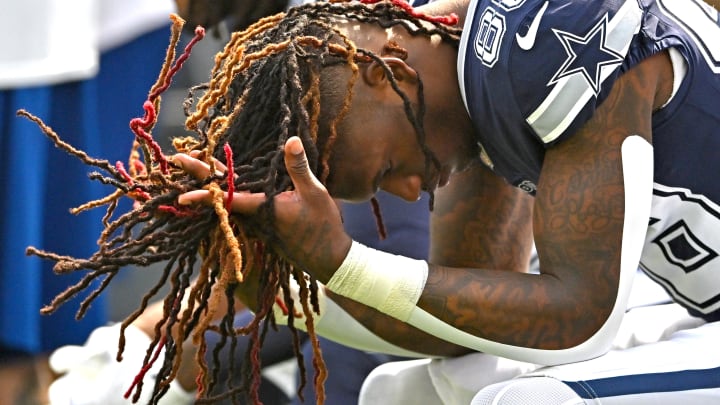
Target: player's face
(377, 146)
(371, 153)
(377, 149)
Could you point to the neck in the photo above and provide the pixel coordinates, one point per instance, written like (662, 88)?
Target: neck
(445, 117)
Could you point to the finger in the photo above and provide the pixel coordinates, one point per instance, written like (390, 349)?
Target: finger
(197, 153)
(298, 167)
(219, 166)
(246, 203)
(195, 197)
(200, 155)
(195, 167)
(242, 203)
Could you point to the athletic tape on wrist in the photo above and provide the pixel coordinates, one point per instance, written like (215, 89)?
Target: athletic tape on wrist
(390, 283)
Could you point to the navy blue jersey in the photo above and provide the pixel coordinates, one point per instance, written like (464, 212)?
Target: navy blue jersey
(532, 72)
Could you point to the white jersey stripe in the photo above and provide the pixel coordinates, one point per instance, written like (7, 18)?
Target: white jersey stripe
(467, 28)
(571, 93)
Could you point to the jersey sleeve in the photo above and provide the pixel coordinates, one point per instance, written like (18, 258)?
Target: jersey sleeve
(532, 72)
(580, 49)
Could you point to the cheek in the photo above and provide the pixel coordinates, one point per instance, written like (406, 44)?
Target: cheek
(350, 180)
(355, 162)
(351, 190)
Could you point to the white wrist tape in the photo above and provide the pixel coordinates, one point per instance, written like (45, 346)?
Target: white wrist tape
(336, 324)
(390, 283)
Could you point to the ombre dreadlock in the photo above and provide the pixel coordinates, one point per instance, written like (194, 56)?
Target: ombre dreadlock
(268, 84)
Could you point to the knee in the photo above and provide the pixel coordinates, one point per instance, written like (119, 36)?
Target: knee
(528, 390)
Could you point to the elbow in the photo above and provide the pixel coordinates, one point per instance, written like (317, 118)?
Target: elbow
(594, 344)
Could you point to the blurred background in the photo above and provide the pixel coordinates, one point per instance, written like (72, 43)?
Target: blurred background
(84, 67)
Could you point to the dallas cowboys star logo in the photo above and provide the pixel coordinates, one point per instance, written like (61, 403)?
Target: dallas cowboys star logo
(586, 55)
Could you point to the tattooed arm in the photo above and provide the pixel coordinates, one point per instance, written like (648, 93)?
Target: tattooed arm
(579, 217)
(483, 226)
(481, 229)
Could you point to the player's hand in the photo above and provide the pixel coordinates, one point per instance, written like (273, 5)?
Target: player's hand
(307, 219)
(246, 292)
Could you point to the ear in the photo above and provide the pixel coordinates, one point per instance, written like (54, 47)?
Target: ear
(374, 74)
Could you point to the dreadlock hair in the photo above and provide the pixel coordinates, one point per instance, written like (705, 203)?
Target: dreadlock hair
(270, 82)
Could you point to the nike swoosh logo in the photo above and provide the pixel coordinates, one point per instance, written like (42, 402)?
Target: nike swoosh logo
(527, 41)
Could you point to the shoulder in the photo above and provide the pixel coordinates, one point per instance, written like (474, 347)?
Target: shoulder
(544, 60)
(550, 50)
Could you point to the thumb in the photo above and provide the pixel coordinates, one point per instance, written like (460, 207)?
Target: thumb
(298, 167)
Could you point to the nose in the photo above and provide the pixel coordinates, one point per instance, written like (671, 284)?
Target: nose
(408, 188)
